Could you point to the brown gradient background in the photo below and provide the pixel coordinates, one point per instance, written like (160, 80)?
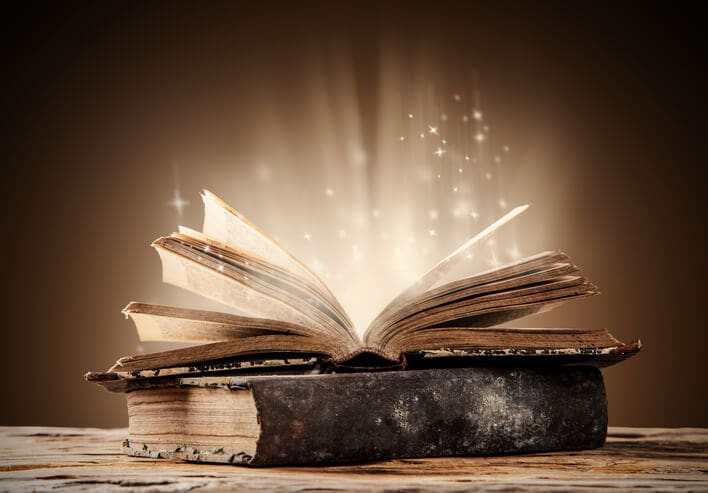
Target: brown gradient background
(99, 103)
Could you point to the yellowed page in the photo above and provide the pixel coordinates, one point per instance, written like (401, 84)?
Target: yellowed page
(435, 274)
(225, 224)
(220, 287)
(166, 323)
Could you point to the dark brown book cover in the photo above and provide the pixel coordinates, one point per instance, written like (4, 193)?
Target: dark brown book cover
(334, 418)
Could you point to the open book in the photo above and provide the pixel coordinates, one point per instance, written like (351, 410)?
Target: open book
(293, 318)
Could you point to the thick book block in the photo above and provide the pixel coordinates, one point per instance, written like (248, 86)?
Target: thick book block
(314, 419)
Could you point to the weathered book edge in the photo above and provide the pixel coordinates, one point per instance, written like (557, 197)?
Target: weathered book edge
(419, 360)
(364, 417)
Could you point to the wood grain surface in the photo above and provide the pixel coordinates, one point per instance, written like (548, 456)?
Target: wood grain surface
(78, 459)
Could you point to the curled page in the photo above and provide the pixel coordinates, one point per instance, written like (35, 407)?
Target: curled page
(440, 270)
(225, 224)
(224, 288)
(173, 324)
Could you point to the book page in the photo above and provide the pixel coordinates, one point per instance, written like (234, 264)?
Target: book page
(474, 312)
(296, 284)
(440, 270)
(225, 224)
(429, 279)
(243, 284)
(495, 281)
(172, 324)
(219, 286)
(507, 338)
(266, 344)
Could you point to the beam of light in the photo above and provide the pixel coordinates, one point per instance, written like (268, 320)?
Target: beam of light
(374, 192)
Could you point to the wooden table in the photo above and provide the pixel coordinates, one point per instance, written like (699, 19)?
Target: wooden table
(64, 459)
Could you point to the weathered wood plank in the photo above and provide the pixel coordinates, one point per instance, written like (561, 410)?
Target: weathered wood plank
(77, 459)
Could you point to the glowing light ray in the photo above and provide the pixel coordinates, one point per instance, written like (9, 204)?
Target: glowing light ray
(443, 267)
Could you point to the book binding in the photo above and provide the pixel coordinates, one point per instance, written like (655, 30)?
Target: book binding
(357, 417)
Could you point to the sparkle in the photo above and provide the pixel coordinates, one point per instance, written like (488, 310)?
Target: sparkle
(502, 204)
(438, 175)
(264, 173)
(433, 130)
(455, 189)
(443, 117)
(360, 219)
(432, 232)
(439, 152)
(507, 148)
(357, 255)
(477, 115)
(465, 118)
(220, 268)
(479, 137)
(475, 215)
(459, 170)
(178, 203)
(401, 138)
(433, 214)
(410, 116)
(207, 249)
(307, 236)
(467, 158)
(469, 256)
(317, 266)
(497, 159)
(514, 252)
(488, 175)
(444, 141)
(456, 97)
(422, 135)
(329, 192)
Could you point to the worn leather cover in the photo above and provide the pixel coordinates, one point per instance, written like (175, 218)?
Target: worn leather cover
(427, 413)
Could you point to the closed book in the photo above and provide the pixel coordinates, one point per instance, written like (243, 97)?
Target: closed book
(353, 417)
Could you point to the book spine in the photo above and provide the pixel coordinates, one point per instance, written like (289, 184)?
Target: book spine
(428, 413)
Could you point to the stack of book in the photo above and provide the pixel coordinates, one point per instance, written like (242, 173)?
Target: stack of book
(293, 383)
